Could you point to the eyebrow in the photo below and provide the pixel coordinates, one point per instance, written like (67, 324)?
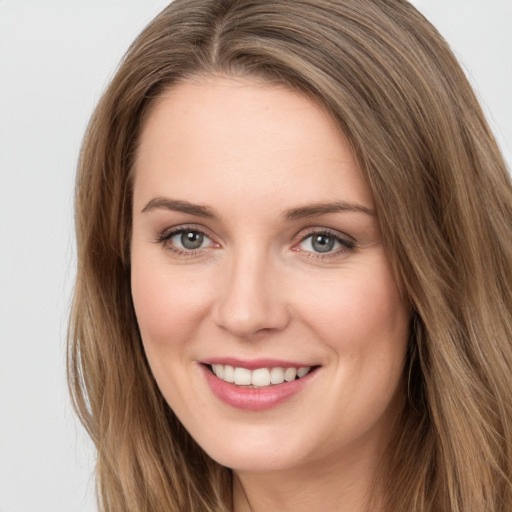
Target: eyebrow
(179, 206)
(301, 212)
(312, 210)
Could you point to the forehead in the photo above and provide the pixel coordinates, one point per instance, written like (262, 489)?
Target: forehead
(231, 139)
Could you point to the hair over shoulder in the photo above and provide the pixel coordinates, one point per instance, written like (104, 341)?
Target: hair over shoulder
(443, 197)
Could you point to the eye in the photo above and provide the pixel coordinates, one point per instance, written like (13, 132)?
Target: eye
(325, 243)
(185, 240)
(190, 240)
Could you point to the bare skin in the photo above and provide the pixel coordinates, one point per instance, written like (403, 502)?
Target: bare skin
(255, 237)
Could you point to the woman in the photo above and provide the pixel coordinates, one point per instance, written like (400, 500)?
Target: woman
(294, 268)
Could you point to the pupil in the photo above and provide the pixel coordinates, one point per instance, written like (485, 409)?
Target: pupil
(322, 243)
(192, 239)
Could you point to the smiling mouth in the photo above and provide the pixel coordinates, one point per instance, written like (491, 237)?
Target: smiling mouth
(259, 377)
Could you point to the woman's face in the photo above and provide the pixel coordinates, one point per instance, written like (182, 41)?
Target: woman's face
(256, 254)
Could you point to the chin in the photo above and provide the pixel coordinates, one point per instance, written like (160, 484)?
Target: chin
(259, 450)
(255, 460)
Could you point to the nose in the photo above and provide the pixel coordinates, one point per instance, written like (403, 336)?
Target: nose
(251, 299)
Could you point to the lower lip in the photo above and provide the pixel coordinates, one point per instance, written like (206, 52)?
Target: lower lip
(254, 399)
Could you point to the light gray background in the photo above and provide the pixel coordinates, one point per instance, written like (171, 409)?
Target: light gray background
(55, 59)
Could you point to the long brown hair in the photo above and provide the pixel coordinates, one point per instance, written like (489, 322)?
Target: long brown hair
(444, 202)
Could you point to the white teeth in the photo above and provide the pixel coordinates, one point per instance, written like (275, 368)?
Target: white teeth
(218, 369)
(229, 373)
(242, 377)
(290, 374)
(260, 377)
(301, 372)
(277, 376)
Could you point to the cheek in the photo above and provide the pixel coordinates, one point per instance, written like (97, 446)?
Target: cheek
(364, 322)
(168, 306)
(358, 310)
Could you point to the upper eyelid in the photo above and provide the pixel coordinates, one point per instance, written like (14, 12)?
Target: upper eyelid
(165, 236)
(169, 232)
(346, 242)
(302, 235)
(333, 232)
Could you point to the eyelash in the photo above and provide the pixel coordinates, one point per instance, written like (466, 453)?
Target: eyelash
(165, 237)
(347, 244)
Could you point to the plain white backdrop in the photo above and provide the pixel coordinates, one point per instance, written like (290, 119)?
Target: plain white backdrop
(56, 57)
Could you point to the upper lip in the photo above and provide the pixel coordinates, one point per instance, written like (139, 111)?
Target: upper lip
(254, 364)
